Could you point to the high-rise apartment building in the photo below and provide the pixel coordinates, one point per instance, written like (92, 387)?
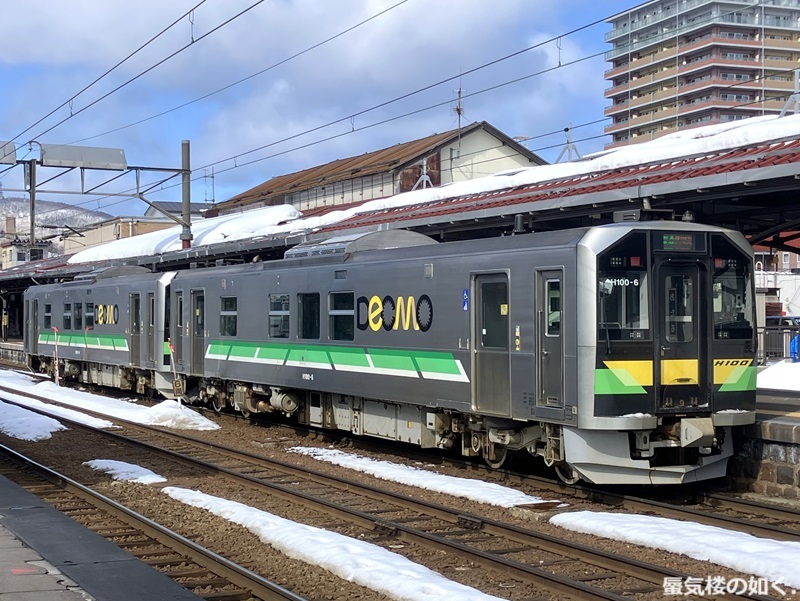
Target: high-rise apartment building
(684, 63)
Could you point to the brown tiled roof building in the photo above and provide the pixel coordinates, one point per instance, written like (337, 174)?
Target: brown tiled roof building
(461, 154)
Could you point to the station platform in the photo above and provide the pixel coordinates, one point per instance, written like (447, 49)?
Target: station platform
(777, 417)
(47, 556)
(12, 352)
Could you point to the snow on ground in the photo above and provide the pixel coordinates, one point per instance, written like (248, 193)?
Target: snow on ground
(784, 375)
(120, 470)
(285, 219)
(26, 425)
(381, 570)
(169, 414)
(373, 567)
(356, 561)
(775, 560)
(475, 490)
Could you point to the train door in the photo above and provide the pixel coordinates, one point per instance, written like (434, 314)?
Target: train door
(150, 339)
(135, 327)
(198, 330)
(680, 375)
(491, 357)
(177, 339)
(549, 338)
(33, 326)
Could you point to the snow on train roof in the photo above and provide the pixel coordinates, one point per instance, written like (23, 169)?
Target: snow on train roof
(286, 219)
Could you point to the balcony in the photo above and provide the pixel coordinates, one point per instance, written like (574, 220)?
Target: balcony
(689, 24)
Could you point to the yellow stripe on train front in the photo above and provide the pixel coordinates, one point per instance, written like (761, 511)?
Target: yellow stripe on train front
(725, 368)
(632, 372)
(679, 371)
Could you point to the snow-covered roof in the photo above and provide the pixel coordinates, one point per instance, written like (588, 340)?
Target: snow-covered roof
(734, 150)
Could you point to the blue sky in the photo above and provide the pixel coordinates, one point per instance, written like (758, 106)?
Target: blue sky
(55, 49)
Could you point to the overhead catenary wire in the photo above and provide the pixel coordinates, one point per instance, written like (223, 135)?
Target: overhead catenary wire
(110, 70)
(353, 130)
(150, 68)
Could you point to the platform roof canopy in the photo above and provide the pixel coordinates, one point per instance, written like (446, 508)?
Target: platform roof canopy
(743, 175)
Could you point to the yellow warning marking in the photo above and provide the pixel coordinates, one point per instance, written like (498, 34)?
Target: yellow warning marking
(679, 371)
(632, 372)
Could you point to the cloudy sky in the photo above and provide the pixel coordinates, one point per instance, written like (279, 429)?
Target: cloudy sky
(288, 84)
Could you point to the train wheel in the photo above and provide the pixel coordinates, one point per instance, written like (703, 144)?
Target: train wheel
(495, 455)
(217, 404)
(566, 474)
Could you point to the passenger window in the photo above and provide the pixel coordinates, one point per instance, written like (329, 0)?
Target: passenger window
(553, 307)
(78, 316)
(494, 301)
(342, 315)
(48, 317)
(278, 315)
(679, 301)
(227, 316)
(90, 316)
(67, 316)
(308, 315)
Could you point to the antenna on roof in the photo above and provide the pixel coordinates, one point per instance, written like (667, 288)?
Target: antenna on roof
(569, 147)
(458, 109)
(206, 177)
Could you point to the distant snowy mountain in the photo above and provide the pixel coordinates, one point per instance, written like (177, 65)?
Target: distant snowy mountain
(47, 213)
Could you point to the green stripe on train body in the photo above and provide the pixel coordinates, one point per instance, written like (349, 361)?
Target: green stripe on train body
(438, 365)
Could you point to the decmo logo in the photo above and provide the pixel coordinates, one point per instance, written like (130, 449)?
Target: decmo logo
(404, 312)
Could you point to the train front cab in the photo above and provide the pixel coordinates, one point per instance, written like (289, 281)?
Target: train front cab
(671, 356)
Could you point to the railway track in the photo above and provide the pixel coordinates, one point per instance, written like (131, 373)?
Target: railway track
(207, 574)
(696, 503)
(545, 563)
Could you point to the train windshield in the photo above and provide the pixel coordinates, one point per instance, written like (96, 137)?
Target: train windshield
(623, 291)
(731, 290)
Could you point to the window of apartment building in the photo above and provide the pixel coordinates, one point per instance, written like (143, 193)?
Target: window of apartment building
(735, 56)
(698, 58)
(736, 97)
(776, 36)
(699, 38)
(735, 35)
(621, 119)
(704, 17)
(737, 18)
(726, 118)
(699, 99)
(785, 259)
(697, 120)
(779, 78)
(735, 76)
(699, 78)
(778, 20)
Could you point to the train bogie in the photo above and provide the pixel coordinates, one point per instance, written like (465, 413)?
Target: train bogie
(619, 353)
